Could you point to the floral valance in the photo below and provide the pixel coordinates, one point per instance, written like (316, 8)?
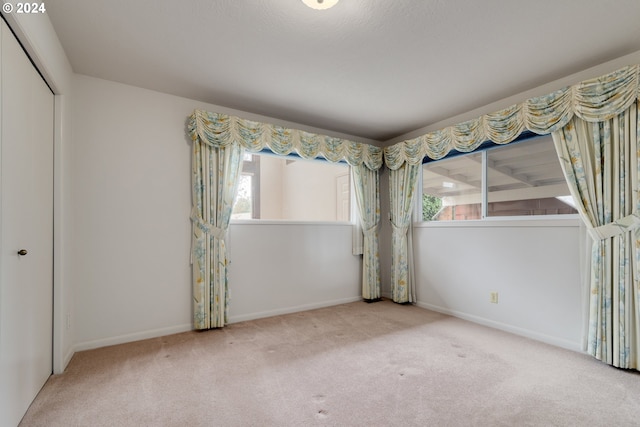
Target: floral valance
(220, 129)
(592, 100)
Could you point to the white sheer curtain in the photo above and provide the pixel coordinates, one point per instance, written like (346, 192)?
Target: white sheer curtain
(600, 161)
(367, 189)
(215, 176)
(357, 236)
(402, 186)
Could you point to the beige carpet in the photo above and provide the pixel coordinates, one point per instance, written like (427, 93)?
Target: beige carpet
(357, 364)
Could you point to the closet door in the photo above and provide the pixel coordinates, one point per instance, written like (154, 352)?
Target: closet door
(26, 217)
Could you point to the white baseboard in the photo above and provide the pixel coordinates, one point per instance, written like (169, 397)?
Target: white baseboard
(67, 358)
(137, 336)
(154, 333)
(60, 368)
(288, 310)
(558, 342)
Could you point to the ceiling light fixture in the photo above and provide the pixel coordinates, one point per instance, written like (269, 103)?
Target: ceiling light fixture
(320, 4)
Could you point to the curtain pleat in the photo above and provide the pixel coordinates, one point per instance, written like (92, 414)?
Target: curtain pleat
(220, 130)
(367, 189)
(402, 186)
(215, 176)
(592, 100)
(600, 161)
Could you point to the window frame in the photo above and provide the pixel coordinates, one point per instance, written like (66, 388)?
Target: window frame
(485, 220)
(252, 168)
(294, 156)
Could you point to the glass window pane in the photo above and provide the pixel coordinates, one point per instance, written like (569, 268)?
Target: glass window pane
(525, 178)
(452, 188)
(279, 188)
(243, 205)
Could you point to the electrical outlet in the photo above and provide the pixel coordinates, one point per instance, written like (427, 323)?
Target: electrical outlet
(493, 297)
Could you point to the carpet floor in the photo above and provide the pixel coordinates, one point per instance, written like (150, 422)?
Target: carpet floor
(357, 364)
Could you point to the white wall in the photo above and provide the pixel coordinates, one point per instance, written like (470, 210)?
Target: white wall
(131, 168)
(280, 268)
(533, 265)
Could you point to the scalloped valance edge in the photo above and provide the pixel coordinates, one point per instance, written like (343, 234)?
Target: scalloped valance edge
(592, 100)
(217, 129)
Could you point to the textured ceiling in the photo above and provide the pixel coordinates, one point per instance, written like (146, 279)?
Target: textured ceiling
(373, 69)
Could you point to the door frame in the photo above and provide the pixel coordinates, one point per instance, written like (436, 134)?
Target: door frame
(38, 39)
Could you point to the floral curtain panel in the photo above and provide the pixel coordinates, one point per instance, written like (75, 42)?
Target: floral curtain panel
(402, 186)
(215, 176)
(219, 141)
(600, 162)
(367, 189)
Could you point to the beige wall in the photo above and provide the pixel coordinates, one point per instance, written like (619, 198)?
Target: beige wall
(302, 190)
(271, 169)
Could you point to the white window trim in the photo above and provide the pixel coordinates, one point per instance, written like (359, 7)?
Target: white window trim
(567, 220)
(352, 201)
(287, 222)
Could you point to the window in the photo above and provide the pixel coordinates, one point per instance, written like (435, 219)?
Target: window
(247, 203)
(452, 188)
(526, 179)
(287, 188)
(523, 178)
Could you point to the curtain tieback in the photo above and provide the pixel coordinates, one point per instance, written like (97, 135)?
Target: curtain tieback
(210, 229)
(615, 228)
(398, 229)
(370, 231)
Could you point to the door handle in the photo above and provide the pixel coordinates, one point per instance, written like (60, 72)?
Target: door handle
(22, 252)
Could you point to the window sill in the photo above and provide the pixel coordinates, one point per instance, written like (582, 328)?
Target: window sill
(287, 222)
(529, 221)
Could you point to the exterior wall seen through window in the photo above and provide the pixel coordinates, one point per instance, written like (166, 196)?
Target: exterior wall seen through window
(285, 188)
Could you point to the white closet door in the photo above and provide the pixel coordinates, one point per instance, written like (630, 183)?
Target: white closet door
(26, 281)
